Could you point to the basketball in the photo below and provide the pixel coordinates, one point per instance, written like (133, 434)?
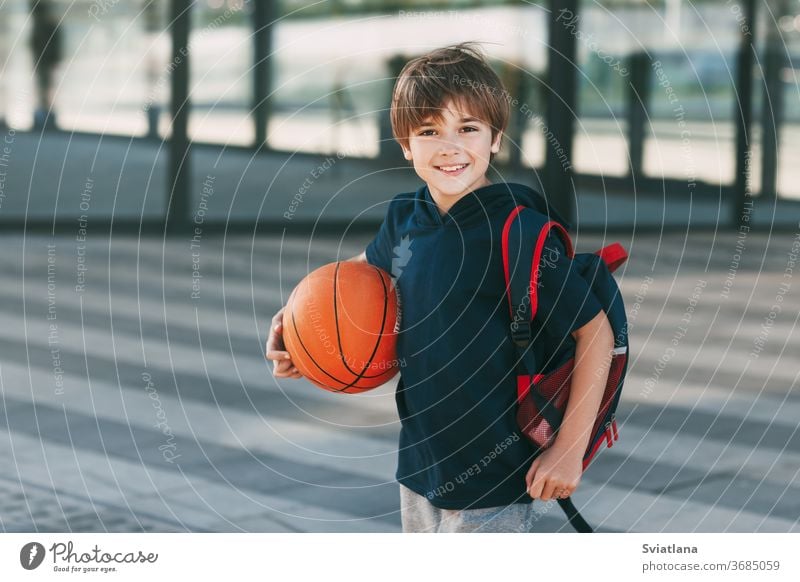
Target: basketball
(340, 327)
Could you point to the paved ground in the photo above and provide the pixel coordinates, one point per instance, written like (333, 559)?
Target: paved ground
(130, 406)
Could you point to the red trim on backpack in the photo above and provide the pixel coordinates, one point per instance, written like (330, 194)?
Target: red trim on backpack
(537, 256)
(506, 227)
(524, 384)
(613, 255)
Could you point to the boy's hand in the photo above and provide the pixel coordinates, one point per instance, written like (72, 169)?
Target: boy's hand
(555, 473)
(276, 351)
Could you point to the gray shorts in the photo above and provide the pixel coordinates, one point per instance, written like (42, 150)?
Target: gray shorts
(420, 515)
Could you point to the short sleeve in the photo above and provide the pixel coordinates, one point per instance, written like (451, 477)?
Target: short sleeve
(379, 251)
(565, 300)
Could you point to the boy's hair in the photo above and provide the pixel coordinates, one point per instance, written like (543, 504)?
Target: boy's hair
(459, 72)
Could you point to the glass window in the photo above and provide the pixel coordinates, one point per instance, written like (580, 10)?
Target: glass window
(690, 57)
(604, 41)
(111, 66)
(789, 79)
(17, 87)
(692, 133)
(329, 84)
(221, 80)
(332, 82)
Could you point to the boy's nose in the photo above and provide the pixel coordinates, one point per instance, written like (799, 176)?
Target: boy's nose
(447, 146)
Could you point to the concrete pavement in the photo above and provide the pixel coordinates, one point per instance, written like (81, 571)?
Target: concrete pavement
(130, 406)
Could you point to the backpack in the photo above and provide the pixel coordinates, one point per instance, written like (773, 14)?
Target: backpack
(545, 363)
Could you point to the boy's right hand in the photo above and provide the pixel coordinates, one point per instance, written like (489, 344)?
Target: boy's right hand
(283, 366)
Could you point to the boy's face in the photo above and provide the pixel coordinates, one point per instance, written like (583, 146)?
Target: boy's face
(460, 141)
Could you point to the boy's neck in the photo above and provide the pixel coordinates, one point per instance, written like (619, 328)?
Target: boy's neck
(443, 208)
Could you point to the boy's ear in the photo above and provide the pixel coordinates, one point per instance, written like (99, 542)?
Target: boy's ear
(406, 152)
(496, 142)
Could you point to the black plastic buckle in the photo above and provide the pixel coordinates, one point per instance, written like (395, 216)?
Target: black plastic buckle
(521, 333)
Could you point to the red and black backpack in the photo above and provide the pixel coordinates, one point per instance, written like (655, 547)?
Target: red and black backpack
(544, 362)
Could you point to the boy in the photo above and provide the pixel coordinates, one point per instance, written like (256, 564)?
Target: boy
(463, 465)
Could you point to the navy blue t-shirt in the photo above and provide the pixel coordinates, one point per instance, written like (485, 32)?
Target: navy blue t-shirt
(460, 446)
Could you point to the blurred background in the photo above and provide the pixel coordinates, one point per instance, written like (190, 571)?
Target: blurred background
(170, 169)
(104, 83)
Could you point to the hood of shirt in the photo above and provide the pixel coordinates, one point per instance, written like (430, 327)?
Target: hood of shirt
(476, 206)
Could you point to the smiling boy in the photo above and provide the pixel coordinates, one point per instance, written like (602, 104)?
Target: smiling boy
(454, 161)
(462, 462)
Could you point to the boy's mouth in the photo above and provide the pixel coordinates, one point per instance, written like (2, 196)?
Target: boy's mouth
(453, 169)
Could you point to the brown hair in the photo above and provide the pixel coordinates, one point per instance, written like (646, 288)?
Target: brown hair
(460, 73)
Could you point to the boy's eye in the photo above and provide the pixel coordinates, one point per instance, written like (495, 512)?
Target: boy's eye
(427, 131)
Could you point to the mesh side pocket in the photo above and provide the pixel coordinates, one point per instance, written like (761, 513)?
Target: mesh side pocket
(554, 387)
(607, 432)
(618, 357)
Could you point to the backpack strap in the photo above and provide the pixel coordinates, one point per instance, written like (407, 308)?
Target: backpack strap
(573, 515)
(522, 243)
(518, 232)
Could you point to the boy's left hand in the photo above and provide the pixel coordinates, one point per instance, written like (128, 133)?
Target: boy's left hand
(554, 474)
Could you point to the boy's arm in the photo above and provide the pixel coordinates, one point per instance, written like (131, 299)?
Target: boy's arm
(594, 343)
(560, 466)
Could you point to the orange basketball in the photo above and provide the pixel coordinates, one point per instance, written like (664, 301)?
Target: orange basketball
(340, 327)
